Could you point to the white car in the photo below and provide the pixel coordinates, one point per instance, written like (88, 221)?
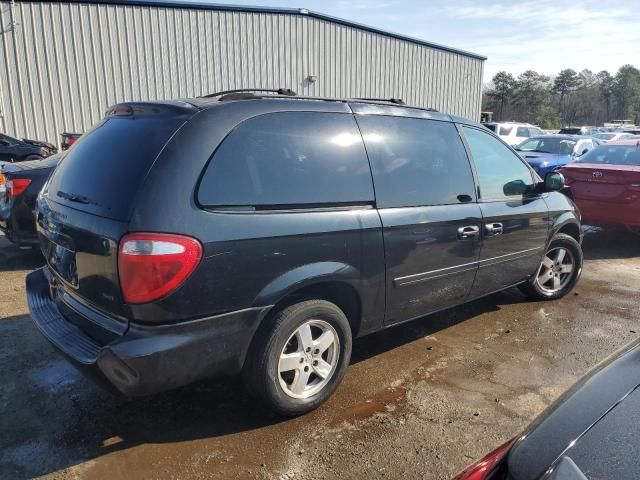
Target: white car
(611, 136)
(514, 133)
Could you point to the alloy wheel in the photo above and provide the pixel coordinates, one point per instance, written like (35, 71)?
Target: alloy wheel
(308, 359)
(556, 270)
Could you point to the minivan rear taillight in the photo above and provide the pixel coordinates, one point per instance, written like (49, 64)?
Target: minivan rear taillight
(17, 186)
(481, 469)
(153, 265)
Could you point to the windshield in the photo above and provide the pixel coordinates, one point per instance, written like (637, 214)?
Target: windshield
(605, 136)
(616, 155)
(557, 146)
(8, 138)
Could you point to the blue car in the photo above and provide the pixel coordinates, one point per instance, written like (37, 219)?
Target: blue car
(547, 153)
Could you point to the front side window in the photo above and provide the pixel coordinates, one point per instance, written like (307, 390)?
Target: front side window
(416, 162)
(501, 173)
(522, 132)
(289, 158)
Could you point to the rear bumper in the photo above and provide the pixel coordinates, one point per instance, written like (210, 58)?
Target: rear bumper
(147, 359)
(610, 214)
(18, 226)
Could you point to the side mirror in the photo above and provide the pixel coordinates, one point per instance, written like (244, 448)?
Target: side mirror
(554, 181)
(584, 151)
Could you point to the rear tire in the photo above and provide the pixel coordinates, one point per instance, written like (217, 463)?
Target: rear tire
(299, 357)
(559, 270)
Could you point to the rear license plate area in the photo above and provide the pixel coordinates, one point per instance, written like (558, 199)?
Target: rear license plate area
(60, 259)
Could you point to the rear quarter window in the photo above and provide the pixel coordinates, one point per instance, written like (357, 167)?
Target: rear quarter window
(288, 159)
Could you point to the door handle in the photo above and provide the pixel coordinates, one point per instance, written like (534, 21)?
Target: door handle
(468, 232)
(494, 228)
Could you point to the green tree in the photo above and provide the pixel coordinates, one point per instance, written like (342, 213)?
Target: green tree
(564, 84)
(502, 91)
(626, 92)
(531, 93)
(605, 87)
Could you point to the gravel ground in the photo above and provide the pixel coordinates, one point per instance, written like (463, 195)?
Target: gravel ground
(419, 401)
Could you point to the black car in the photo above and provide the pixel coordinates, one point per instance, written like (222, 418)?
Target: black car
(261, 234)
(590, 432)
(22, 183)
(20, 150)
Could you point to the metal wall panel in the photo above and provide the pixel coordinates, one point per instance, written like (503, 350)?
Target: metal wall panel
(62, 64)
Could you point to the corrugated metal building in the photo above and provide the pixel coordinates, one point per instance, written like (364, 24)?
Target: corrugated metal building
(63, 63)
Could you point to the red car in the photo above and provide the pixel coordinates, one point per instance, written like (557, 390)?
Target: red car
(605, 184)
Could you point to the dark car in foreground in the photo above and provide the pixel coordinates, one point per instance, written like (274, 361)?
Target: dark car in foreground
(22, 183)
(241, 233)
(548, 153)
(21, 150)
(605, 184)
(591, 432)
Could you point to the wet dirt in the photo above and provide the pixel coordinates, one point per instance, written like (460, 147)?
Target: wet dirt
(420, 400)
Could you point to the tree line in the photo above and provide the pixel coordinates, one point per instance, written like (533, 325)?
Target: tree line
(568, 98)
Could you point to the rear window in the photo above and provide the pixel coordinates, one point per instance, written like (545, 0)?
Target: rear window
(615, 155)
(103, 171)
(289, 159)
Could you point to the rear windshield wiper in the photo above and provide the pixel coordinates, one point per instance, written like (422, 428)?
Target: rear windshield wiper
(73, 197)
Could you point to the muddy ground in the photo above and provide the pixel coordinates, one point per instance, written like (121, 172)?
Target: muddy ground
(419, 401)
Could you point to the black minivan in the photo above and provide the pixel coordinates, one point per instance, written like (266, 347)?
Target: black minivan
(261, 233)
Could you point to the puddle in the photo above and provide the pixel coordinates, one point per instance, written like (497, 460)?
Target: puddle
(54, 376)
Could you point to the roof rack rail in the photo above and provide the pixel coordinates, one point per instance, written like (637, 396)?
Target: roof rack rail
(248, 92)
(397, 101)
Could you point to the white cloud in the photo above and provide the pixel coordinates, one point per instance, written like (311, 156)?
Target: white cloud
(549, 36)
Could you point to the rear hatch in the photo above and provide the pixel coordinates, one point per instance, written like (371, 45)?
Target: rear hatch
(84, 208)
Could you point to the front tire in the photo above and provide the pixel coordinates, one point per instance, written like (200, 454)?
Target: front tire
(299, 357)
(559, 270)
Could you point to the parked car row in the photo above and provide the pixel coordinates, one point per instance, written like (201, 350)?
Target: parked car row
(547, 153)
(611, 136)
(514, 133)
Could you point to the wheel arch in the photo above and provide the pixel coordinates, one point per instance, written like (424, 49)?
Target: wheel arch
(332, 281)
(568, 224)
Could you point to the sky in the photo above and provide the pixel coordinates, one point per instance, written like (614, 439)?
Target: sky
(515, 35)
